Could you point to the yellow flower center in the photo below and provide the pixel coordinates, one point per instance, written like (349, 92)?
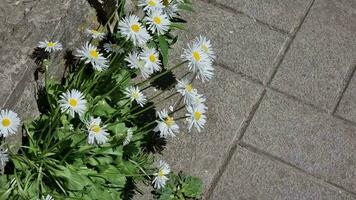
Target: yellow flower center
(95, 128)
(6, 122)
(152, 58)
(95, 32)
(189, 87)
(169, 121)
(94, 54)
(160, 173)
(73, 102)
(205, 48)
(197, 115)
(51, 44)
(196, 55)
(151, 3)
(157, 20)
(135, 95)
(135, 28)
(166, 2)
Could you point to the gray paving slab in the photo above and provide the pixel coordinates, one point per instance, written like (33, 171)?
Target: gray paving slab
(300, 135)
(252, 176)
(24, 24)
(321, 55)
(347, 105)
(229, 100)
(240, 43)
(283, 14)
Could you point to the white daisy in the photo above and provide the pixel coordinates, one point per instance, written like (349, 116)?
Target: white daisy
(196, 117)
(205, 45)
(186, 89)
(158, 22)
(199, 62)
(73, 102)
(132, 29)
(95, 34)
(50, 46)
(9, 123)
(90, 54)
(135, 95)
(150, 4)
(151, 59)
(97, 133)
(4, 158)
(48, 197)
(135, 62)
(198, 100)
(166, 125)
(161, 176)
(170, 8)
(128, 137)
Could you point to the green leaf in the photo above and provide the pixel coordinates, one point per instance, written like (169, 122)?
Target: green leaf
(192, 187)
(119, 129)
(179, 26)
(163, 45)
(74, 179)
(103, 109)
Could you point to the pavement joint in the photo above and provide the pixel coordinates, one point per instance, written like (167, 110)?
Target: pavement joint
(232, 148)
(286, 46)
(308, 175)
(345, 84)
(234, 11)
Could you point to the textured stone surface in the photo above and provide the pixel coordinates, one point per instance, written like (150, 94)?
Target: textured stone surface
(251, 176)
(312, 141)
(229, 100)
(284, 14)
(241, 44)
(347, 106)
(321, 54)
(23, 24)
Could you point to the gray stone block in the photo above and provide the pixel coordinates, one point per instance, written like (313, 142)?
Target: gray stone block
(300, 135)
(239, 42)
(321, 55)
(229, 99)
(252, 176)
(283, 14)
(347, 106)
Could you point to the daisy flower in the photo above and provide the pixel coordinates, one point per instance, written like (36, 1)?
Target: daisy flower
(150, 4)
(132, 29)
(95, 34)
(135, 62)
(48, 197)
(97, 133)
(198, 100)
(158, 22)
(128, 137)
(186, 89)
(170, 8)
(205, 45)
(4, 158)
(150, 57)
(196, 117)
(50, 46)
(135, 95)
(199, 62)
(90, 54)
(166, 125)
(9, 123)
(73, 102)
(161, 176)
